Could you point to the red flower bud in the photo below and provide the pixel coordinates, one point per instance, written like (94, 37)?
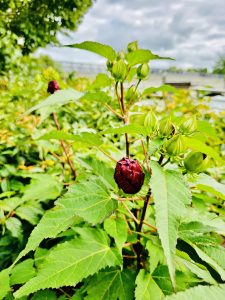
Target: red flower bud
(129, 175)
(52, 87)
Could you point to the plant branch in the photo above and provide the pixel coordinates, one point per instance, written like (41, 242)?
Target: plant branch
(63, 145)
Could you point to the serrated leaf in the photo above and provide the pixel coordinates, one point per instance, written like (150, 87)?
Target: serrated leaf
(199, 270)
(198, 145)
(162, 88)
(57, 99)
(142, 56)
(116, 227)
(155, 145)
(70, 262)
(89, 200)
(30, 211)
(156, 255)
(86, 138)
(14, 225)
(171, 196)
(42, 187)
(111, 285)
(101, 81)
(147, 288)
(132, 129)
(100, 169)
(209, 257)
(95, 47)
(200, 292)
(22, 272)
(97, 97)
(4, 283)
(208, 184)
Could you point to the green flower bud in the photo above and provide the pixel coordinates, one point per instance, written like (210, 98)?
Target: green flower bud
(196, 162)
(143, 71)
(176, 145)
(131, 93)
(120, 55)
(109, 65)
(150, 121)
(189, 126)
(132, 46)
(166, 128)
(119, 70)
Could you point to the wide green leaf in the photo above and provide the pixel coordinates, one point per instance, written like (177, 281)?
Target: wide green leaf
(111, 285)
(198, 145)
(98, 96)
(200, 292)
(22, 272)
(98, 48)
(57, 99)
(101, 81)
(141, 56)
(171, 196)
(4, 283)
(147, 288)
(70, 262)
(208, 184)
(86, 138)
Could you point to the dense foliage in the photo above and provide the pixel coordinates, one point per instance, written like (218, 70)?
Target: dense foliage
(19, 21)
(81, 237)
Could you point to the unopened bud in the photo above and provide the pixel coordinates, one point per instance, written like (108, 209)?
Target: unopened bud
(166, 128)
(109, 65)
(120, 55)
(132, 46)
(196, 162)
(119, 70)
(189, 126)
(143, 71)
(131, 93)
(150, 121)
(176, 145)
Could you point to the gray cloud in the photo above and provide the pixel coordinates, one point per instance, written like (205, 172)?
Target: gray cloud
(191, 31)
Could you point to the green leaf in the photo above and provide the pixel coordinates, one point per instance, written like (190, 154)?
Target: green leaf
(155, 144)
(22, 272)
(98, 48)
(30, 211)
(208, 254)
(97, 97)
(156, 255)
(200, 292)
(101, 81)
(132, 129)
(197, 145)
(86, 138)
(4, 283)
(42, 187)
(198, 269)
(70, 262)
(89, 200)
(163, 88)
(208, 184)
(44, 295)
(171, 196)
(141, 56)
(207, 129)
(57, 99)
(111, 285)
(147, 288)
(14, 226)
(116, 227)
(100, 169)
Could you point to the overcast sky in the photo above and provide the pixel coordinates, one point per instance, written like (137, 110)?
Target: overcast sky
(191, 31)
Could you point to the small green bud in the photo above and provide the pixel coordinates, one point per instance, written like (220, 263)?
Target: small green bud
(132, 46)
(189, 126)
(143, 71)
(109, 65)
(176, 145)
(196, 162)
(131, 93)
(151, 121)
(119, 70)
(120, 55)
(166, 128)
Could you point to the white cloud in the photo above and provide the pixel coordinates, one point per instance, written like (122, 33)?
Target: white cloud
(191, 31)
